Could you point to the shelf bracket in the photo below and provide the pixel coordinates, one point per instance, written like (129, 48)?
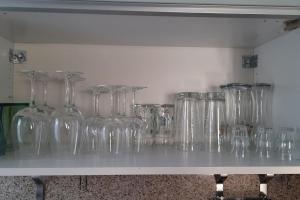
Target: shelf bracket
(249, 61)
(40, 187)
(220, 179)
(17, 56)
(263, 185)
(292, 24)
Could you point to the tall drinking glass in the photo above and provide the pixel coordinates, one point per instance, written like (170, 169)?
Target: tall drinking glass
(30, 125)
(66, 123)
(190, 117)
(261, 94)
(215, 125)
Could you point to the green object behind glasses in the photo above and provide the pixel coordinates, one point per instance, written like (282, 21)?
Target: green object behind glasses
(7, 111)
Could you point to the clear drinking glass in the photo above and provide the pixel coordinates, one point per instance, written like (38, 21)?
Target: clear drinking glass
(286, 142)
(265, 142)
(215, 125)
(261, 94)
(66, 123)
(123, 130)
(238, 106)
(135, 131)
(94, 139)
(240, 142)
(166, 127)
(30, 125)
(149, 113)
(189, 118)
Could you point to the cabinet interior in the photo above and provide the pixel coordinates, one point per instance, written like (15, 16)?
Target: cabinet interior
(168, 54)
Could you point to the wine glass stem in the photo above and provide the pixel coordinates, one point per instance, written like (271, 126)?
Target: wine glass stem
(44, 85)
(97, 104)
(33, 91)
(69, 92)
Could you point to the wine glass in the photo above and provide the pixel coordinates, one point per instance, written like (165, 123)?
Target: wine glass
(30, 125)
(94, 140)
(134, 126)
(66, 123)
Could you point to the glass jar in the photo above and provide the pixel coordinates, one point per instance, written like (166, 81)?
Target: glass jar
(189, 119)
(215, 125)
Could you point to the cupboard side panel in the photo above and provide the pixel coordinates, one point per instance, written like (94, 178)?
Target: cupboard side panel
(279, 63)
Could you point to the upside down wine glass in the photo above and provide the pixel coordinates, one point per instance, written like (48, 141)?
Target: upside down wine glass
(66, 124)
(94, 139)
(30, 125)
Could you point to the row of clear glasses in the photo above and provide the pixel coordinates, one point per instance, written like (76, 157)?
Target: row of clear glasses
(214, 122)
(63, 132)
(121, 131)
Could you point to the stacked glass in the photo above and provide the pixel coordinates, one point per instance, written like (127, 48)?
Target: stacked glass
(238, 106)
(189, 118)
(121, 131)
(215, 124)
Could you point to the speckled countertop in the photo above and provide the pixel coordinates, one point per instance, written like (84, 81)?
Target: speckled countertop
(155, 187)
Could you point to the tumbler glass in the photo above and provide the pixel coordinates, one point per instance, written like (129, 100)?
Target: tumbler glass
(66, 123)
(240, 142)
(149, 113)
(190, 117)
(30, 125)
(215, 125)
(166, 125)
(265, 143)
(286, 142)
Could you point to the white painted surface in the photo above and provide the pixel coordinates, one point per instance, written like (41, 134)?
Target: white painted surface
(265, 7)
(228, 2)
(157, 162)
(164, 70)
(6, 70)
(279, 63)
(141, 30)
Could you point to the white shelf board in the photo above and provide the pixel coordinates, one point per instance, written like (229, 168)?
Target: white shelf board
(257, 7)
(155, 162)
(139, 30)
